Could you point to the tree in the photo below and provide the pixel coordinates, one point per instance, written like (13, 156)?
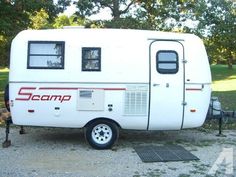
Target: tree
(3, 48)
(167, 15)
(63, 20)
(17, 15)
(39, 20)
(214, 20)
(218, 25)
(117, 7)
(142, 14)
(125, 23)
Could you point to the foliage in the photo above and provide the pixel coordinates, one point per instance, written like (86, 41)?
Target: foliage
(16, 16)
(156, 15)
(218, 24)
(117, 7)
(125, 23)
(4, 45)
(213, 20)
(39, 20)
(166, 15)
(63, 20)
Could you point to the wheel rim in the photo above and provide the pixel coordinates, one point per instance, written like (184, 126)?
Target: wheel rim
(101, 134)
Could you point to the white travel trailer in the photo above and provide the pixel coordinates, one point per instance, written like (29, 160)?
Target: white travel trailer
(105, 79)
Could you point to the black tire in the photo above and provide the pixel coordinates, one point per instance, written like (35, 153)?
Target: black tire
(6, 97)
(101, 134)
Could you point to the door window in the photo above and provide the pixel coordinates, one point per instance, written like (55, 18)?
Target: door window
(167, 62)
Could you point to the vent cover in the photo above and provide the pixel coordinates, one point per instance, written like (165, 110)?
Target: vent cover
(136, 99)
(85, 94)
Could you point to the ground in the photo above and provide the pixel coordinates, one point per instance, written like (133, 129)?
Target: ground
(64, 152)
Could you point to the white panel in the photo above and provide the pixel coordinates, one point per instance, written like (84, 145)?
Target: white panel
(90, 100)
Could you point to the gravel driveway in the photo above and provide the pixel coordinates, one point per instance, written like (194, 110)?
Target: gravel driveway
(64, 153)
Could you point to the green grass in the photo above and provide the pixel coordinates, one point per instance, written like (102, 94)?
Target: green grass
(224, 85)
(3, 82)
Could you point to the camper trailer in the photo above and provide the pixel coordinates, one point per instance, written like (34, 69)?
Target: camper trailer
(104, 80)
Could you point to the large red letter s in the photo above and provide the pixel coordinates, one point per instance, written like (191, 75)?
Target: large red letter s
(26, 95)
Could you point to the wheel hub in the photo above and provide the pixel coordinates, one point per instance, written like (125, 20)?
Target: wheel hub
(102, 134)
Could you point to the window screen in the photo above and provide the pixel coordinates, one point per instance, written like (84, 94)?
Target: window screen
(91, 59)
(167, 62)
(47, 55)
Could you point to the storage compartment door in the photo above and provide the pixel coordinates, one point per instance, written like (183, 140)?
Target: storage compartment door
(90, 100)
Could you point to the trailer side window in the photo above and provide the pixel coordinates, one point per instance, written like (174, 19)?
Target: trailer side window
(167, 62)
(91, 59)
(45, 55)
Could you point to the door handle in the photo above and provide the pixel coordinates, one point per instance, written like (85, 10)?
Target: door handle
(155, 85)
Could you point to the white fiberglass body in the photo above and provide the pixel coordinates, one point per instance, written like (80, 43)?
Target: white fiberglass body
(143, 80)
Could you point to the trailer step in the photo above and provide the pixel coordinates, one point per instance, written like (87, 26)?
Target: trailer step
(151, 153)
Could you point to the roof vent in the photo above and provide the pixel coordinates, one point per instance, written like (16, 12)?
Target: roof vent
(73, 27)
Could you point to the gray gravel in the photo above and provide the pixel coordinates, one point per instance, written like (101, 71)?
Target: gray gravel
(64, 153)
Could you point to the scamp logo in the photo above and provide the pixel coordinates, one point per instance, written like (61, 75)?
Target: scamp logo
(27, 94)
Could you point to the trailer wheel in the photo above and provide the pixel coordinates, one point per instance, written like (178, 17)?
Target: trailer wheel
(101, 134)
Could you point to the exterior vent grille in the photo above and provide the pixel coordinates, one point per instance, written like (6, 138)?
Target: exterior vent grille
(136, 100)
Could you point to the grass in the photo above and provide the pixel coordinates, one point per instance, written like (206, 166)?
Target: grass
(224, 85)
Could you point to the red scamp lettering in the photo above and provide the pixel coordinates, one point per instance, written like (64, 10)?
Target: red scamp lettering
(26, 94)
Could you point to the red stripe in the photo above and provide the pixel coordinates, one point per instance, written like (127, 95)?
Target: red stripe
(193, 89)
(28, 88)
(57, 88)
(80, 88)
(114, 88)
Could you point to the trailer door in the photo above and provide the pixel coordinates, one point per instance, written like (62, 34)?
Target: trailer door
(166, 85)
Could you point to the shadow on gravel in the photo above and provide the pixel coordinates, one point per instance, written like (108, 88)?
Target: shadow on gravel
(58, 136)
(127, 138)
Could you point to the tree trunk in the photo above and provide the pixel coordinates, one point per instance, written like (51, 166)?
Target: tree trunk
(116, 9)
(230, 61)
